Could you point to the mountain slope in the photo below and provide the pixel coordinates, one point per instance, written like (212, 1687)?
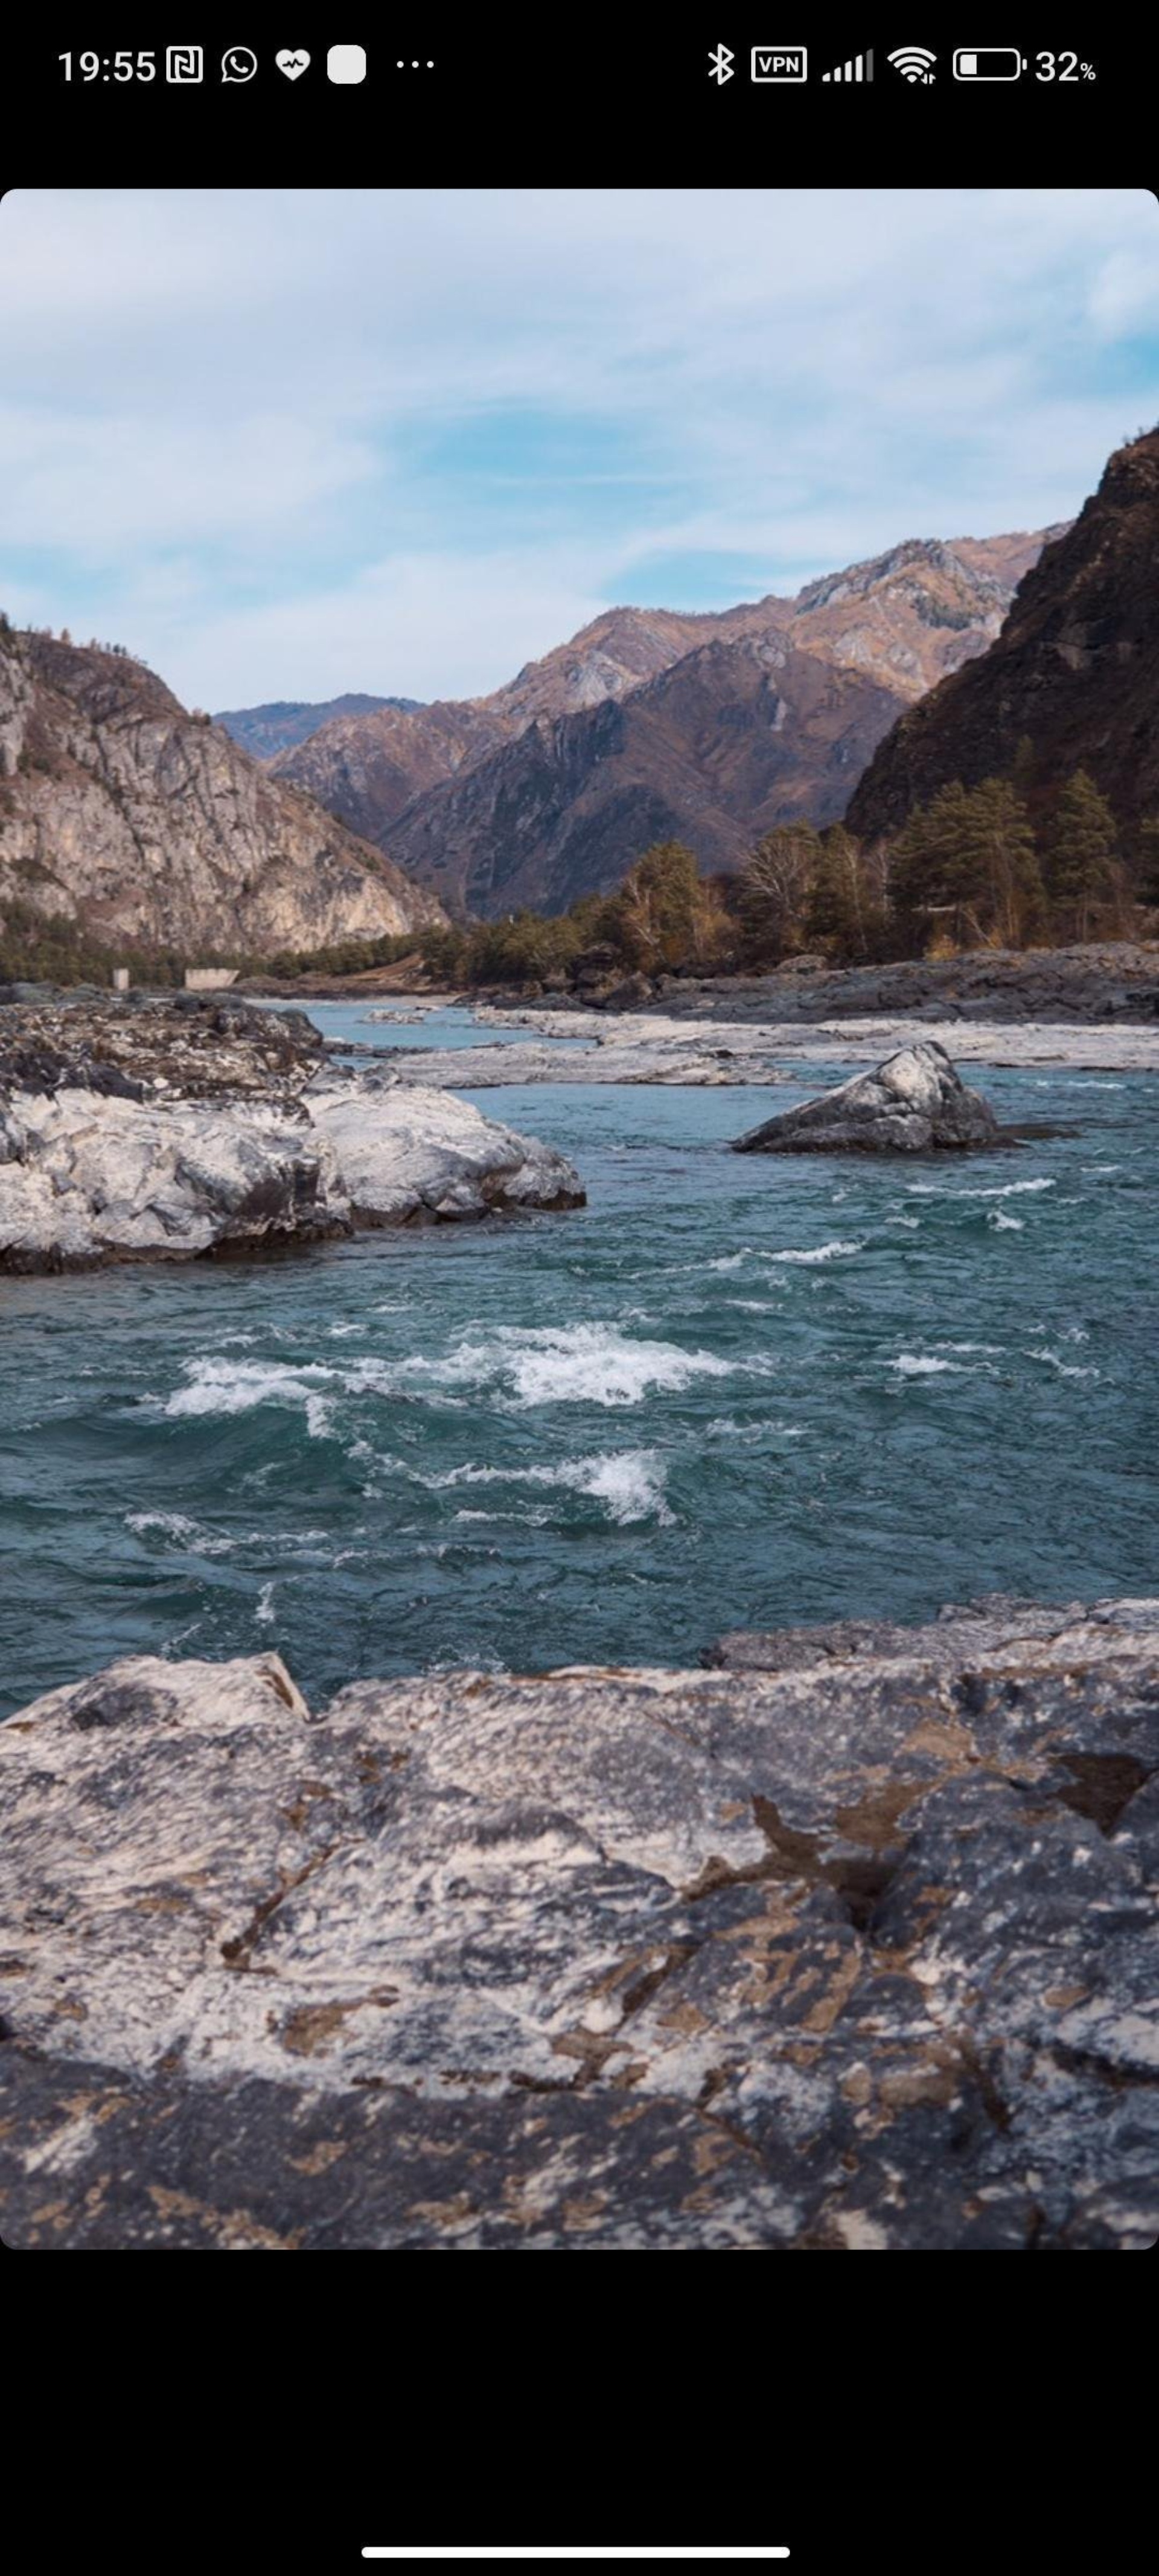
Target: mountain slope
(264, 731)
(729, 740)
(141, 823)
(367, 768)
(910, 616)
(1075, 671)
(899, 622)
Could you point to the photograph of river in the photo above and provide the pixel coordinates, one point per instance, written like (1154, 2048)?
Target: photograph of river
(579, 1176)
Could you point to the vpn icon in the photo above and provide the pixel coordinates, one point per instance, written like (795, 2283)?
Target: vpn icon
(914, 62)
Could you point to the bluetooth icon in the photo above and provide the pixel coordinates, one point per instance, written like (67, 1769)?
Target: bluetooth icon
(720, 65)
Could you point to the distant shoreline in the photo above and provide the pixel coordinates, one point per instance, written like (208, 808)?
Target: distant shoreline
(1102, 985)
(1101, 981)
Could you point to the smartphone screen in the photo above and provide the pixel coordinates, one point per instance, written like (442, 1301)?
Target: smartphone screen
(579, 1094)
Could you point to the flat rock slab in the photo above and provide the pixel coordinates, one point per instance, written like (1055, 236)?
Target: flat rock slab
(913, 1104)
(849, 1946)
(755, 1043)
(671, 1061)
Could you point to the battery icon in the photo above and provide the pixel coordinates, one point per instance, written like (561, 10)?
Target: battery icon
(996, 62)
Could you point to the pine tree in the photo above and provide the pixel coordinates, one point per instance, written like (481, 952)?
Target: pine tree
(925, 868)
(1082, 855)
(969, 857)
(999, 859)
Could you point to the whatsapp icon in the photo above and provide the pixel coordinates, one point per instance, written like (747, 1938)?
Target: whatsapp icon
(238, 63)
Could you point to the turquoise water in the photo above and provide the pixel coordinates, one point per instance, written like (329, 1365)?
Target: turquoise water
(727, 1392)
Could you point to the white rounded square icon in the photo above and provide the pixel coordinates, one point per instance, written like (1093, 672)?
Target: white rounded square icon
(346, 63)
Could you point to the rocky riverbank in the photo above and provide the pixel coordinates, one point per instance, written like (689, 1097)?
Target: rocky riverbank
(847, 1942)
(173, 1129)
(1110, 980)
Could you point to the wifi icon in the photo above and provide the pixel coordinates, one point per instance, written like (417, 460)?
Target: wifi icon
(914, 62)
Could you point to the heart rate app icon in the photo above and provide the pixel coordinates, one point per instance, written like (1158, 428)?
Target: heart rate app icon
(293, 64)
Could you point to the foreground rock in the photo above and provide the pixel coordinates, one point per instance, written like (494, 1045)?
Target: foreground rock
(99, 1164)
(430, 1155)
(856, 1946)
(913, 1103)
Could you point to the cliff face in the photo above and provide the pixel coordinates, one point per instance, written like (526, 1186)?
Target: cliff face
(120, 811)
(649, 722)
(1075, 670)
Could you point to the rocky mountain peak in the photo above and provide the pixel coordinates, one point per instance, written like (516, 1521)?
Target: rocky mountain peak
(1074, 672)
(1132, 473)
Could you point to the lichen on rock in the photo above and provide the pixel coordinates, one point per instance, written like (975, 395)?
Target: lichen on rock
(849, 1942)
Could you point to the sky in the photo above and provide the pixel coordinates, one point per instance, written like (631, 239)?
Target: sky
(284, 443)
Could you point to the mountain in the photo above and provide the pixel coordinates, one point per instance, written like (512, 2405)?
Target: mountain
(264, 731)
(910, 616)
(729, 740)
(524, 797)
(366, 769)
(369, 769)
(1074, 673)
(143, 824)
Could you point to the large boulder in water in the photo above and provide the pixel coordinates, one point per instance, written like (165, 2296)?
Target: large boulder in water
(86, 1178)
(910, 1104)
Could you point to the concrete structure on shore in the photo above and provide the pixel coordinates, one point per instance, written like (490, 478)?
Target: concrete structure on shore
(209, 979)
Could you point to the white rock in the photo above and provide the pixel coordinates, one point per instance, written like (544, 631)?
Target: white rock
(85, 1178)
(424, 1152)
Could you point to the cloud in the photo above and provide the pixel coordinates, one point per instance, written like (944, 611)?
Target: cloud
(289, 441)
(424, 625)
(109, 488)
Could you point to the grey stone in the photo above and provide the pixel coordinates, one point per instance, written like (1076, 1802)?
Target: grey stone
(167, 1133)
(674, 1046)
(86, 1179)
(913, 1103)
(855, 1950)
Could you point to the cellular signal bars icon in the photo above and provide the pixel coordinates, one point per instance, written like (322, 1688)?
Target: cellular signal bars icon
(860, 69)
